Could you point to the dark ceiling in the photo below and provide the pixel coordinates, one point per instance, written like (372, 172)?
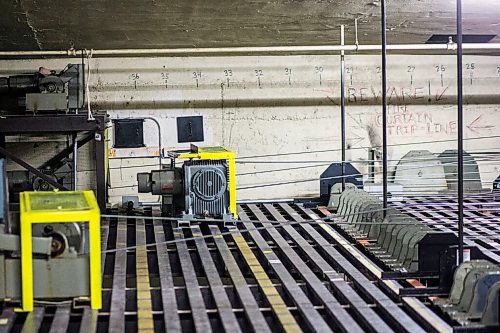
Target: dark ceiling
(100, 24)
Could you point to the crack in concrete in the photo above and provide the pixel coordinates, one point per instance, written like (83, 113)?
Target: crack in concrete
(29, 22)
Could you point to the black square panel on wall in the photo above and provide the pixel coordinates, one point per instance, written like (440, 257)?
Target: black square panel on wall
(190, 129)
(129, 133)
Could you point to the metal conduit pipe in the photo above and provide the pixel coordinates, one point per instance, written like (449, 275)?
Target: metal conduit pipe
(160, 156)
(246, 50)
(150, 203)
(160, 148)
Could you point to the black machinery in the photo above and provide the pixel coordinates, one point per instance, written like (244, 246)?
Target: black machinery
(496, 184)
(474, 299)
(401, 242)
(59, 169)
(333, 175)
(410, 249)
(43, 91)
(48, 92)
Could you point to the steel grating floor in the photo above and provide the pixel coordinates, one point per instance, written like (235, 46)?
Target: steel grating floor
(301, 276)
(481, 219)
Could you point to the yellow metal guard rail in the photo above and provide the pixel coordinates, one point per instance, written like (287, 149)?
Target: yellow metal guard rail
(59, 207)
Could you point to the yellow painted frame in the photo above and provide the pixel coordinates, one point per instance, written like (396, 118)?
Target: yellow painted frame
(209, 153)
(91, 215)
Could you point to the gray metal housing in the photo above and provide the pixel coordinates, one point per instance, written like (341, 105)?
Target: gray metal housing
(206, 188)
(472, 178)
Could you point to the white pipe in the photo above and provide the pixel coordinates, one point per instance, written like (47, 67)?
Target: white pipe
(36, 53)
(481, 46)
(356, 32)
(246, 50)
(150, 203)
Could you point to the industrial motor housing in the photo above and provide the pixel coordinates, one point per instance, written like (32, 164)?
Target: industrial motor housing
(201, 188)
(206, 188)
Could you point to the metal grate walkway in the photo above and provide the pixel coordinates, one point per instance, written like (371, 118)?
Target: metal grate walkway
(481, 219)
(283, 271)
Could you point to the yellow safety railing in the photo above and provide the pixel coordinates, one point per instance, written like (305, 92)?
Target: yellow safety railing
(59, 207)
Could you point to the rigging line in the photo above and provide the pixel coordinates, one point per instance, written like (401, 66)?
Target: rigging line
(427, 176)
(282, 170)
(314, 166)
(276, 224)
(483, 157)
(317, 164)
(438, 207)
(347, 176)
(357, 148)
(451, 163)
(448, 210)
(428, 209)
(423, 199)
(269, 224)
(320, 164)
(325, 178)
(323, 165)
(491, 154)
(273, 224)
(476, 156)
(450, 196)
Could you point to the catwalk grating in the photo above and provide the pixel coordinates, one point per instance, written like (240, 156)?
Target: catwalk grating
(271, 273)
(481, 219)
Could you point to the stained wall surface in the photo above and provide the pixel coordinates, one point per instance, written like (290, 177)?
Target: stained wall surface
(281, 114)
(98, 24)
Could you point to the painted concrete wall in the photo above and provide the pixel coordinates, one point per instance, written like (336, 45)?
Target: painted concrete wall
(281, 114)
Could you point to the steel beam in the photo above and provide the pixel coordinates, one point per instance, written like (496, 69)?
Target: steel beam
(342, 105)
(51, 124)
(65, 124)
(2, 143)
(100, 163)
(384, 103)
(460, 129)
(66, 152)
(32, 169)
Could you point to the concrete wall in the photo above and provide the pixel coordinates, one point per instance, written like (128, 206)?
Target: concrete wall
(286, 110)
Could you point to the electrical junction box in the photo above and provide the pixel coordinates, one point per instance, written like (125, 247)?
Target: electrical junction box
(129, 133)
(190, 129)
